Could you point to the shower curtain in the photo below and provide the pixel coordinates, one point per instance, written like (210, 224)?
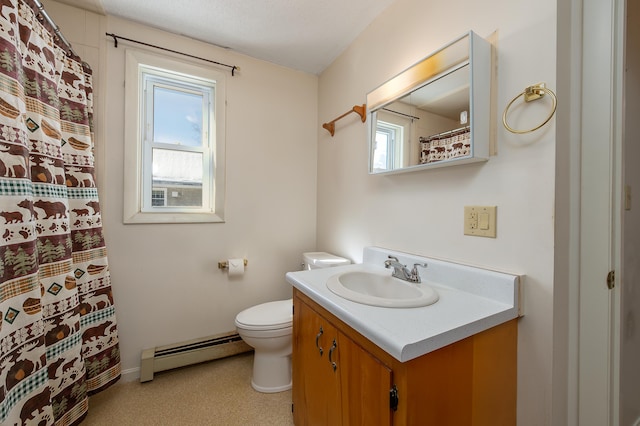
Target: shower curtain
(58, 337)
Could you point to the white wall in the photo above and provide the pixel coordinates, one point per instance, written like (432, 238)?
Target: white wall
(422, 212)
(166, 282)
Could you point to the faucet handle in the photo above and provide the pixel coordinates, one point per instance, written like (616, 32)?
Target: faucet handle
(387, 263)
(414, 272)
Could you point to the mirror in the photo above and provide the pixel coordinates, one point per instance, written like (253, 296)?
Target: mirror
(435, 113)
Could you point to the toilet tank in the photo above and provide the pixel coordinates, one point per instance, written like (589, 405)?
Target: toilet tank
(320, 259)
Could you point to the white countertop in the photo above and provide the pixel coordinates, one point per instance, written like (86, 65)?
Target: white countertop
(471, 300)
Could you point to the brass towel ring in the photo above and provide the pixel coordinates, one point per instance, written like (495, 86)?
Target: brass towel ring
(531, 93)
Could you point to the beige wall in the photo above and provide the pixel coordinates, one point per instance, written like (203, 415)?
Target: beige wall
(273, 142)
(166, 282)
(422, 212)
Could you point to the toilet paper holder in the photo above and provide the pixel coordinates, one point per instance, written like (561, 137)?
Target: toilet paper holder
(225, 264)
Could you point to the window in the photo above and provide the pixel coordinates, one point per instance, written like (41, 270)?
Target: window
(174, 147)
(159, 197)
(387, 152)
(175, 142)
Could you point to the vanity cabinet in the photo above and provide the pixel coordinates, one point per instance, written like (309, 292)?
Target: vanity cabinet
(336, 381)
(342, 378)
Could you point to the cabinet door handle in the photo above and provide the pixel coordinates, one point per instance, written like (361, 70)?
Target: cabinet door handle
(333, 347)
(318, 338)
(393, 398)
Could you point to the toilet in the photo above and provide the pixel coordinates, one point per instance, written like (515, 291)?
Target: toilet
(268, 329)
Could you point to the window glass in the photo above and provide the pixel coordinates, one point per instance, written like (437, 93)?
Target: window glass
(176, 144)
(177, 117)
(179, 173)
(382, 149)
(387, 151)
(177, 166)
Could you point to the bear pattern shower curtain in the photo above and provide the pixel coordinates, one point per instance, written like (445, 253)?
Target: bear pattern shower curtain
(58, 337)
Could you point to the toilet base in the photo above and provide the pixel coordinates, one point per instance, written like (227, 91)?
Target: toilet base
(270, 389)
(271, 373)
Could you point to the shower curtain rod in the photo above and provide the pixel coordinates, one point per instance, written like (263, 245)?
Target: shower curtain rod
(115, 42)
(56, 29)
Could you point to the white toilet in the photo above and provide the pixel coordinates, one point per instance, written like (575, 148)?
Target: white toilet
(268, 328)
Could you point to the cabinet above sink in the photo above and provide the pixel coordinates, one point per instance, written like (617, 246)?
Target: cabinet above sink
(435, 113)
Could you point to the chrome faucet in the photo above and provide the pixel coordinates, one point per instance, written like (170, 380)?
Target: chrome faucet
(401, 271)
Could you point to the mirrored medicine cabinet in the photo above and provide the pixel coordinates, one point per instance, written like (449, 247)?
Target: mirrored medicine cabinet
(435, 113)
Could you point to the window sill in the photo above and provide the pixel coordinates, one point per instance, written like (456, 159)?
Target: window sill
(140, 218)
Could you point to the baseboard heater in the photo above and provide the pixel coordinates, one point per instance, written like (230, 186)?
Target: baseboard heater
(177, 355)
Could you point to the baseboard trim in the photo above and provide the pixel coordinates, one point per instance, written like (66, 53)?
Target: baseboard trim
(130, 375)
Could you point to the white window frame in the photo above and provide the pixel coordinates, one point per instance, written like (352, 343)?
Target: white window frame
(153, 78)
(137, 161)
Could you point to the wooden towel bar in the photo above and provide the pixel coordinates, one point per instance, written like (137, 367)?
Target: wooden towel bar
(361, 110)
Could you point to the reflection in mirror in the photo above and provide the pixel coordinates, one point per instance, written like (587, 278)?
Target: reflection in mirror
(423, 117)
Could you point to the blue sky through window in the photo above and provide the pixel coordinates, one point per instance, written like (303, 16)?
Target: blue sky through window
(177, 117)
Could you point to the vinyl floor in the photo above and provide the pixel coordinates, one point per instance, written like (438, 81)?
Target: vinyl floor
(213, 393)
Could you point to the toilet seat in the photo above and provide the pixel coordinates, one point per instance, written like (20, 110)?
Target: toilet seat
(267, 316)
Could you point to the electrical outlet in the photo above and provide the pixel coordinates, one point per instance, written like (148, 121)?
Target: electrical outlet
(473, 219)
(480, 221)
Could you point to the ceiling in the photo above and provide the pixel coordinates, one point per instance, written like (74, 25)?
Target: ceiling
(306, 35)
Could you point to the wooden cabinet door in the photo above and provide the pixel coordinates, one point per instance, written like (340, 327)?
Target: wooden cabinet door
(470, 382)
(365, 385)
(316, 385)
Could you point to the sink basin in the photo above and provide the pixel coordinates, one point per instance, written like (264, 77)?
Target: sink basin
(381, 290)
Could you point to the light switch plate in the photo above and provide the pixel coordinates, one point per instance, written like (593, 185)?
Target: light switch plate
(480, 221)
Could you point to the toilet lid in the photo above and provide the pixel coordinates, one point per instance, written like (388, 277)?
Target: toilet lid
(321, 259)
(267, 316)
